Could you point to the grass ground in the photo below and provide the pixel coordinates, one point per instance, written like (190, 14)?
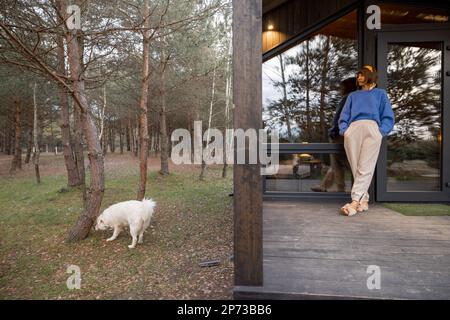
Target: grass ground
(192, 223)
(411, 209)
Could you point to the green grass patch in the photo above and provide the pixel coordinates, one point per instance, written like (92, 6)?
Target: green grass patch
(192, 222)
(410, 209)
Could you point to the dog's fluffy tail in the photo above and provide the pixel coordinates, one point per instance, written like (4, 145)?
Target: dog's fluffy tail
(149, 205)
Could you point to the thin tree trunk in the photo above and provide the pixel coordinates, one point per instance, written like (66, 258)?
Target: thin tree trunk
(29, 146)
(163, 116)
(2, 143)
(227, 109)
(112, 146)
(136, 138)
(121, 144)
(164, 139)
(84, 223)
(37, 152)
(51, 132)
(203, 171)
(131, 134)
(104, 139)
(143, 156)
(80, 136)
(158, 139)
(73, 178)
(324, 78)
(128, 136)
(308, 88)
(17, 160)
(285, 98)
(78, 151)
(8, 138)
(102, 135)
(226, 124)
(149, 130)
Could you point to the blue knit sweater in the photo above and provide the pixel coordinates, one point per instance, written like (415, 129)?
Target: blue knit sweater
(368, 105)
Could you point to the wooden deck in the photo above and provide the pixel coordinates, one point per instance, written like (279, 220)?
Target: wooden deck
(311, 252)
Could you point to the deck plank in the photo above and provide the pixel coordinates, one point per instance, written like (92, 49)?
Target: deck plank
(311, 252)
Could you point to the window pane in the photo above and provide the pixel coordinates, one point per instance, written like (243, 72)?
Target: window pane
(301, 86)
(415, 88)
(311, 172)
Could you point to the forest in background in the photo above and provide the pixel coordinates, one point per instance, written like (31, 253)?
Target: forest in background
(134, 72)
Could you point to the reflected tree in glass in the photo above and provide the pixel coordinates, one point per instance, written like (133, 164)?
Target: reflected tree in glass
(414, 87)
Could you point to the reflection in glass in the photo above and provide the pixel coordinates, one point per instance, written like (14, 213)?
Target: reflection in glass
(303, 172)
(301, 85)
(415, 88)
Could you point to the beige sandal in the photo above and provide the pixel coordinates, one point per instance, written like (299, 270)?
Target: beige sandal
(350, 209)
(363, 206)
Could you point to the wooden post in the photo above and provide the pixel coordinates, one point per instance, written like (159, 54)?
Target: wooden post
(247, 92)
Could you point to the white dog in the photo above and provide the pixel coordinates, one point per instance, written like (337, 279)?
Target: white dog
(135, 214)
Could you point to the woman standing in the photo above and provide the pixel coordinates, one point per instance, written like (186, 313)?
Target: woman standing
(366, 118)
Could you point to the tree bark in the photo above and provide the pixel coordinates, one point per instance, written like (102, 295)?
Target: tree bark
(228, 97)
(136, 138)
(104, 140)
(308, 88)
(73, 178)
(102, 136)
(121, 143)
(285, 99)
(17, 160)
(8, 138)
(112, 133)
(2, 143)
(324, 79)
(29, 146)
(78, 151)
(94, 198)
(226, 124)
(37, 151)
(143, 127)
(203, 171)
(131, 134)
(128, 136)
(163, 118)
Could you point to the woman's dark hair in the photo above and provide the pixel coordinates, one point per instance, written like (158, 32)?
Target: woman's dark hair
(349, 85)
(369, 73)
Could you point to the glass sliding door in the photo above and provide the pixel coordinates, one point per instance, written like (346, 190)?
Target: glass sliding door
(301, 86)
(301, 93)
(414, 161)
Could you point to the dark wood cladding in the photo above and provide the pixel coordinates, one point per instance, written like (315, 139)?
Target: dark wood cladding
(247, 93)
(270, 4)
(293, 17)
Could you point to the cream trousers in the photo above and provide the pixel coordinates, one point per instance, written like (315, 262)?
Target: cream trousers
(362, 142)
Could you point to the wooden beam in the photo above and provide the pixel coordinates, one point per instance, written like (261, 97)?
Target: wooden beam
(247, 93)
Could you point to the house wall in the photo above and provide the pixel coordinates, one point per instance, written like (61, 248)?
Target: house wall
(293, 17)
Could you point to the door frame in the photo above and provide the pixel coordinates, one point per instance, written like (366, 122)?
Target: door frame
(416, 33)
